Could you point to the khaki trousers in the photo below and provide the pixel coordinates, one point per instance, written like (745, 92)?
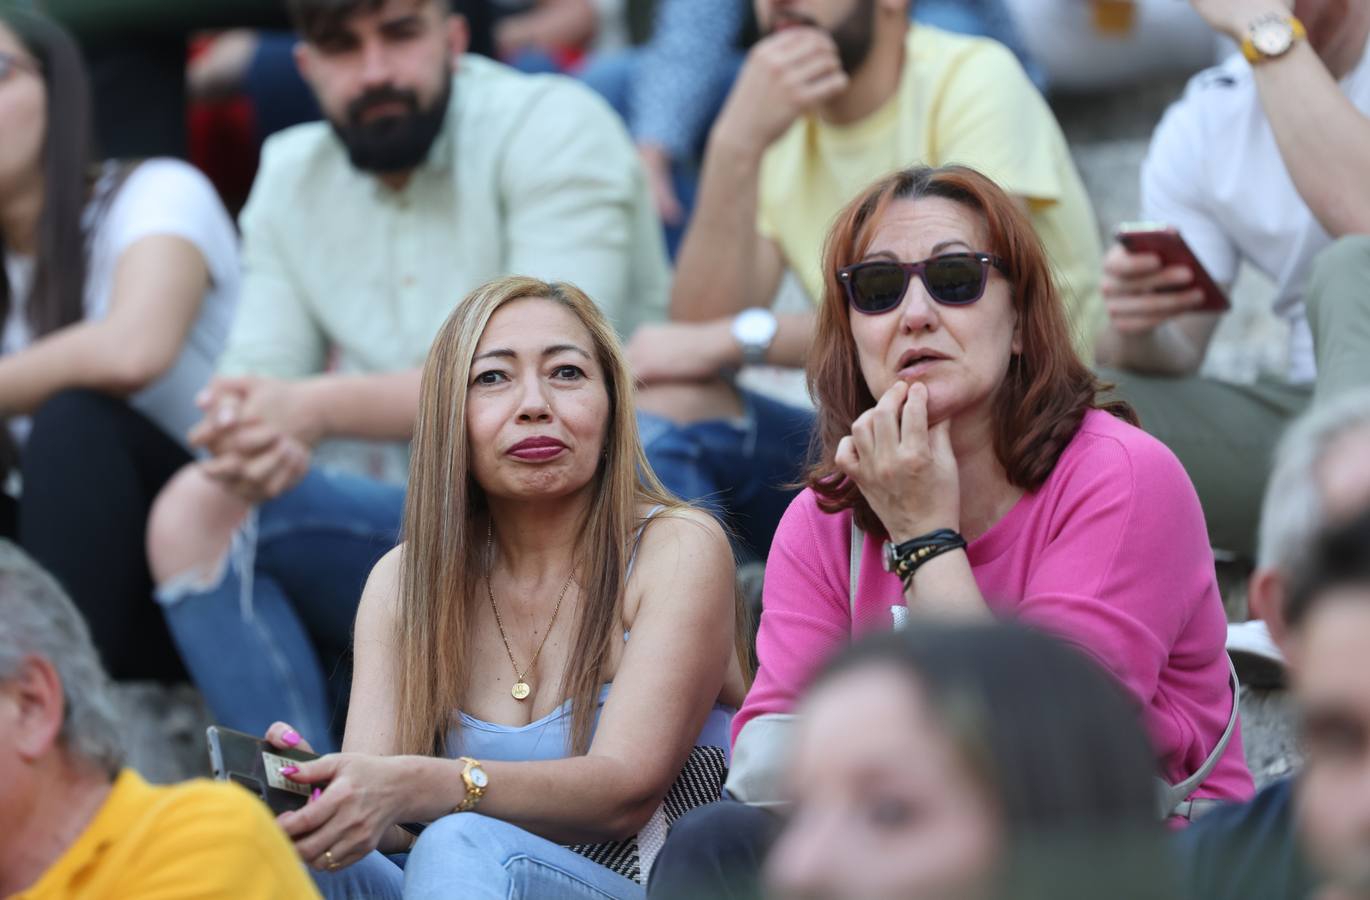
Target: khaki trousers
(1225, 434)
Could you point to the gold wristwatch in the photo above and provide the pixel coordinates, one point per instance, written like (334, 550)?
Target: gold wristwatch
(473, 774)
(1271, 37)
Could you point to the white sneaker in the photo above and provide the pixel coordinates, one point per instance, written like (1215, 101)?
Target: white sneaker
(1258, 660)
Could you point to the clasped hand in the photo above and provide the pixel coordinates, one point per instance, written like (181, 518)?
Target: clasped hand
(364, 798)
(260, 433)
(904, 468)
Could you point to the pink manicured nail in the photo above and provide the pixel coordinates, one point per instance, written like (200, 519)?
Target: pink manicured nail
(291, 737)
(318, 792)
(289, 770)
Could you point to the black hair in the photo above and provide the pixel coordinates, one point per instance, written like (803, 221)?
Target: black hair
(56, 297)
(1053, 737)
(316, 20)
(1058, 746)
(1340, 557)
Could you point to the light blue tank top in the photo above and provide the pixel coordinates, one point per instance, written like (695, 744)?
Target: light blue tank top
(550, 737)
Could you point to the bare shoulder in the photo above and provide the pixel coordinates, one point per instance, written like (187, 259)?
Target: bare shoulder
(381, 596)
(684, 548)
(682, 531)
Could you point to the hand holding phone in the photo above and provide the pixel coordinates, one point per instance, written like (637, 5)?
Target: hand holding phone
(256, 765)
(1151, 275)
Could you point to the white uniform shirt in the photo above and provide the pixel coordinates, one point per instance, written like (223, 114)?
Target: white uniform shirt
(1215, 172)
(159, 197)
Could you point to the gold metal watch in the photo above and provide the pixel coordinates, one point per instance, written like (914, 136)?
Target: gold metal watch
(1271, 37)
(473, 774)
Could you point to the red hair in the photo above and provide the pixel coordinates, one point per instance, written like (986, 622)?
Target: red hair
(1048, 389)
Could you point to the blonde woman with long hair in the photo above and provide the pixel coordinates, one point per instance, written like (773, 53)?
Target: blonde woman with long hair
(546, 668)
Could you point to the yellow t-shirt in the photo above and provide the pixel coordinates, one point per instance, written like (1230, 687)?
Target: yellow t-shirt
(961, 100)
(199, 840)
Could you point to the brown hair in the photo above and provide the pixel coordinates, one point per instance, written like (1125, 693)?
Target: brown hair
(443, 550)
(1047, 390)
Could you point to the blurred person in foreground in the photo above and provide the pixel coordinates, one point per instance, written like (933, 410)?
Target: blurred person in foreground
(1264, 161)
(968, 761)
(1321, 479)
(837, 94)
(118, 288)
(970, 470)
(547, 665)
(79, 824)
(435, 173)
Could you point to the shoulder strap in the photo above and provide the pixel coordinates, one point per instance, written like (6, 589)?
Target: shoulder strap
(858, 540)
(637, 539)
(1175, 798)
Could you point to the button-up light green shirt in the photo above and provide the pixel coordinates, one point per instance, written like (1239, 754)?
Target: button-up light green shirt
(531, 175)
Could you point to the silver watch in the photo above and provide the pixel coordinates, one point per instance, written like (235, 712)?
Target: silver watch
(754, 330)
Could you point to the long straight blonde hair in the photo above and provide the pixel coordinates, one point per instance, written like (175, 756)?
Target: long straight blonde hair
(444, 549)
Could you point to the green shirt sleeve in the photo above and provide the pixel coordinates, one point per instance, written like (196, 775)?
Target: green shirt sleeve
(572, 185)
(274, 331)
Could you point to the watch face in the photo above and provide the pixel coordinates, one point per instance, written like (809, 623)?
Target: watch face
(1272, 38)
(478, 777)
(887, 557)
(755, 326)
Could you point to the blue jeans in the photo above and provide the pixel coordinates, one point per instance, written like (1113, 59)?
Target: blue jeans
(270, 638)
(742, 469)
(475, 857)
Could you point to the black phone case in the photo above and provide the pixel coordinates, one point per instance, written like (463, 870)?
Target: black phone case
(251, 762)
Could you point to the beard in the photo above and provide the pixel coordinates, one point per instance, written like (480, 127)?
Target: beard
(853, 36)
(393, 143)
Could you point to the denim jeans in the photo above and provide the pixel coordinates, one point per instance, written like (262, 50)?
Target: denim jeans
(476, 857)
(270, 637)
(743, 469)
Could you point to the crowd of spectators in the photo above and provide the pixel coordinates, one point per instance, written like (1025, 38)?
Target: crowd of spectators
(412, 377)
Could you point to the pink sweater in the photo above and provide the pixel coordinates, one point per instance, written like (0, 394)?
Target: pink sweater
(1111, 554)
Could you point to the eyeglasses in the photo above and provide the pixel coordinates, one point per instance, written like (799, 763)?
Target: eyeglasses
(9, 64)
(954, 279)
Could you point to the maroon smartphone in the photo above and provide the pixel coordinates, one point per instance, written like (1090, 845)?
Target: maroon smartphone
(1165, 242)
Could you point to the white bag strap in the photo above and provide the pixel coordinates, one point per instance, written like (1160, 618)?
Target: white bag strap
(1175, 798)
(858, 540)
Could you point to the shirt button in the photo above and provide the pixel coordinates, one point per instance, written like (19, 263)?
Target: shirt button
(407, 281)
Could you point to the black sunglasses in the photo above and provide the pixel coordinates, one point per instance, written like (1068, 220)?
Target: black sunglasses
(954, 279)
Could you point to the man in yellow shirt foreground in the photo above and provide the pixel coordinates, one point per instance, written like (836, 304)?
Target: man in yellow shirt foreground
(837, 94)
(75, 824)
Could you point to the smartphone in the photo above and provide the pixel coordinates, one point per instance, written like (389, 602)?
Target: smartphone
(1166, 242)
(256, 765)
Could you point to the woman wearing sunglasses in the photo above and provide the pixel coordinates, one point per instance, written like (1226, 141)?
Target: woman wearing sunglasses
(967, 470)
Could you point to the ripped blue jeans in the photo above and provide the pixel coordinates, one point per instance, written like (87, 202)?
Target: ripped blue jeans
(269, 637)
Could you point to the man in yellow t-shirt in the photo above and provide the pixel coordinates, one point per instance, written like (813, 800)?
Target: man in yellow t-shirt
(77, 826)
(838, 94)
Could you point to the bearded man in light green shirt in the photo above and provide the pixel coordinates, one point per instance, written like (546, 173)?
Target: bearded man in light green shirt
(435, 173)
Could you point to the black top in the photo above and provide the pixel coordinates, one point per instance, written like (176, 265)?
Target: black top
(1246, 851)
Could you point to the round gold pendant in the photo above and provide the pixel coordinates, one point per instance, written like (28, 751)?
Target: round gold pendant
(521, 690)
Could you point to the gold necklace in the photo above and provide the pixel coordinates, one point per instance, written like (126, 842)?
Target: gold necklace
(521, 690)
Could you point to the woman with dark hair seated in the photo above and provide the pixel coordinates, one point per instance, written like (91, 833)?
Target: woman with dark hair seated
(118, 287)
(553, 648)
(968, 470)
(968, 761)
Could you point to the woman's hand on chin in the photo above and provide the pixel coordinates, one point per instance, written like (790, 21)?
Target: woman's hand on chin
(905, 469)
(359, 798)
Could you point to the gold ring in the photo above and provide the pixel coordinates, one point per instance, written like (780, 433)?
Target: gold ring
(328, 857)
